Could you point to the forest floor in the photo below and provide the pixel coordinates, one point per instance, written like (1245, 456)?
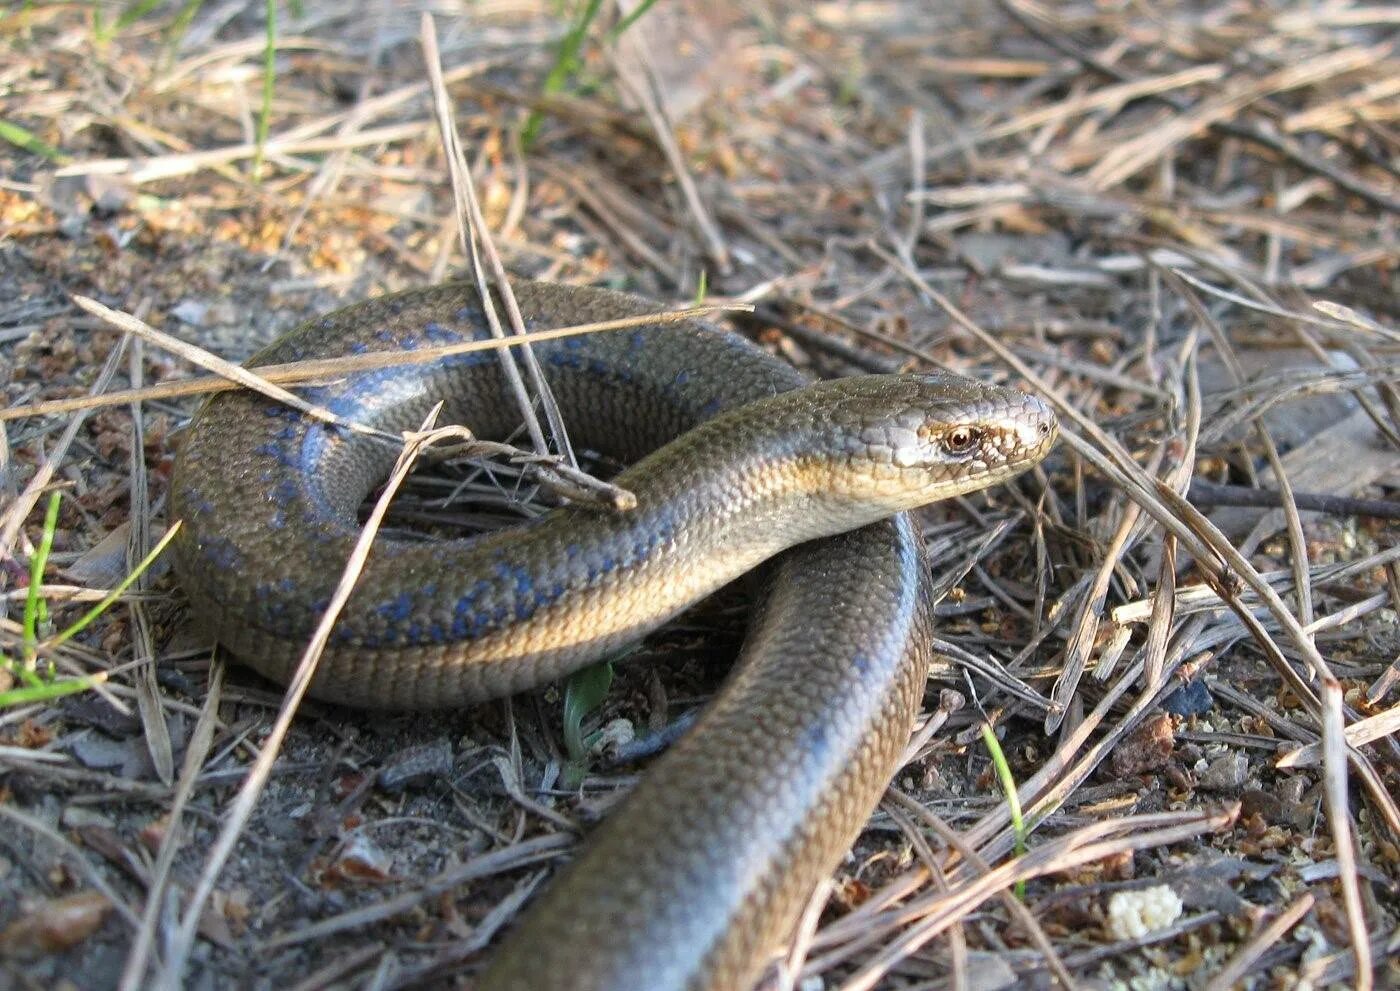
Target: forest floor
(1179, 221)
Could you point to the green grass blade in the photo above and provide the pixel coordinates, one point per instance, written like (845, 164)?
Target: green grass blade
(175, 33)
(1013, 801)
(565, 64)
(268, 88)
(583, 692)
(49, 690)
(116, 593)
(20, 671)
(630, 19)
(21, 138)
(35, 609)
(134, 13)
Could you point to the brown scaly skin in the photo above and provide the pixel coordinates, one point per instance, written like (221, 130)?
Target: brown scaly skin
(693, 883)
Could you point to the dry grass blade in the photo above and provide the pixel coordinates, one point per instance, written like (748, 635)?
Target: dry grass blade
(138, 958)
(790, 967)
(318, 370)
(472, 233)
(168, 166)
(636, 72)
(226, 369)
(1080, 847)
(172, 975)
(14, 516)
(1243, 961)
(1176, 220)
(75, 856)
(1334, 761)
(1128, 158)
(521, 854)
(1013, 905)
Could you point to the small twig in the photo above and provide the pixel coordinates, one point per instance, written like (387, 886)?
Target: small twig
(134, 971)
(521, 854)
(1206, 493)
(172, 977)
(220, 366)
(867, 361)
(14, 516)
(475, 242)
(638, 76)
(1277, 143)
(1334, 778)
(320, 369)
(1357, 734)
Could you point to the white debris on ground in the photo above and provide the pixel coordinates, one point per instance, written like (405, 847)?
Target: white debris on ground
(614, 734)
(1132, 914)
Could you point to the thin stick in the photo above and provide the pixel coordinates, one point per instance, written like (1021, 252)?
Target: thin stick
(172, 978)
(318, 369)
(1206, 493)
(220, 366)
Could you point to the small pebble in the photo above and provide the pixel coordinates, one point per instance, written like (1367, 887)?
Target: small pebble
(1226, 774)
(1191, 699)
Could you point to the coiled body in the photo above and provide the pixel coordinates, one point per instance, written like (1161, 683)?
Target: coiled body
(693, 883)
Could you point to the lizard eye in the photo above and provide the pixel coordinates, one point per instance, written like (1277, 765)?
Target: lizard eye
(960, 440)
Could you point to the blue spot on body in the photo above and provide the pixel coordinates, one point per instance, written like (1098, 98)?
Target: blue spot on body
(276, 451)
(221, 553)
(197, 502)
(815, 740)
(285, 492)
(397, 609)
(521, 576)
(467, 619)
(439, 334)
